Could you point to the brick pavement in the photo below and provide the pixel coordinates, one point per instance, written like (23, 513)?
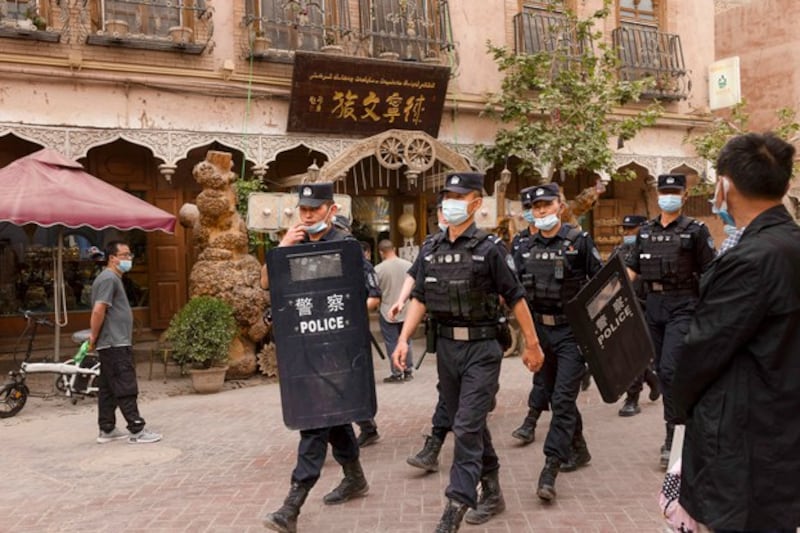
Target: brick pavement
(225, 461)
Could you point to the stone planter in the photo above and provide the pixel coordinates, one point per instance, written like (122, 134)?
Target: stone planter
(261, 45)
(180, 34)
(116, 28)
(208, 381)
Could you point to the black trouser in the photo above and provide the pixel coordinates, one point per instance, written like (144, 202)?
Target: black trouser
(668, 318)
(313, 448)
(562, 372)
(468, 375)
(368, 426)
(117, 387)
(440, 421)
(539, 397)
(638, 382)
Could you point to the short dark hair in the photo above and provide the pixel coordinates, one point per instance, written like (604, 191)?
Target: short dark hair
(385, 246)
(365, 246)
(113, 247)
(760, 165)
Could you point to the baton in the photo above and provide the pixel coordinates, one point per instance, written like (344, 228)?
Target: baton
(421, 359)
(376, 345)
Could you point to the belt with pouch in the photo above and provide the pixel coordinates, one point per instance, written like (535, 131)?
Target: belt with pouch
(550, 320)
(468, 333)
(670, 289)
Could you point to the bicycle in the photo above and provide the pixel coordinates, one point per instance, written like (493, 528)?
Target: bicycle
(75, 377)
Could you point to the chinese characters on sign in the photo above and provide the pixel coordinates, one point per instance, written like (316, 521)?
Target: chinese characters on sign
(339, 94)
(333, 310)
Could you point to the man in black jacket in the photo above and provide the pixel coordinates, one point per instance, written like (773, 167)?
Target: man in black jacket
(738, 373)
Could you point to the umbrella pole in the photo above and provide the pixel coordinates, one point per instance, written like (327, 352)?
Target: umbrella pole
(59, 295)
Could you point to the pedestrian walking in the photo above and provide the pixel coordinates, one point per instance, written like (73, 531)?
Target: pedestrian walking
(737, 375)
(553, 264)
(317, 209)
(111, 335)
(391, 273)
(670, 253)
(460, 283)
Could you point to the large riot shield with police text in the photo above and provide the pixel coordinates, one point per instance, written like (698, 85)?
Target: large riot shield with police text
(321, 331)
(611, 330)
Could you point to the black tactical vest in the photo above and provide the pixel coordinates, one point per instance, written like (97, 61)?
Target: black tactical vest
(553, 273)
(458, 283)
(666, 255)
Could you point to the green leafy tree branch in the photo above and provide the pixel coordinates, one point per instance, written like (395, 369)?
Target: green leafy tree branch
(559, 108)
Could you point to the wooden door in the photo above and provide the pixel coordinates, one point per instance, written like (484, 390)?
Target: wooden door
(608, 215)
(167, 274)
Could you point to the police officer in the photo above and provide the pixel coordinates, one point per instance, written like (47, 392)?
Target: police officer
(460, 283)
(630, 228)
(317, 209)
(670, 253)
(553, 265)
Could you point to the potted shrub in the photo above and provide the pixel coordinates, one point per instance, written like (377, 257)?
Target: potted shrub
(200, 336)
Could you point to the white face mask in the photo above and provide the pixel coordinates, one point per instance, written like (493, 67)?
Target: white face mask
(455, 211)
(546, 223)
(318, 227)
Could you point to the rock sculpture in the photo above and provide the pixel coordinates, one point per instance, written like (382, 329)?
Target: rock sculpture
(224, 268)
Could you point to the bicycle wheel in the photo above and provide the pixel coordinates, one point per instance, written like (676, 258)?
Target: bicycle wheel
(12, 399)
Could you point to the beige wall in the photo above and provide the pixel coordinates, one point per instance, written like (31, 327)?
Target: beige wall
(763, 34)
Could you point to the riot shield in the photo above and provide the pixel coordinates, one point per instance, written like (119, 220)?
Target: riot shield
(321, 332)
(611, 330)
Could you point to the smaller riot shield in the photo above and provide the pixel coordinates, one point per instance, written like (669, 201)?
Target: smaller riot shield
(321, 331)
(611, 330)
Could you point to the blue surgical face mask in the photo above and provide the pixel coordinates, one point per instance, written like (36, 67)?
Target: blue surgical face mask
(730, 230)
(722, 210)
(319, 227)
(546, 223)
(528, 216)
(629, 239)
(125, 265)
(455, 211)
(670, 203)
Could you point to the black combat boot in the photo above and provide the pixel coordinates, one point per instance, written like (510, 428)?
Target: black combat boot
(451, 517)
(579, 457)
(651, 378)
(527, 431)
(284, 519)
(547, 479)
(428, 457)
(666, 449)
(631, 406)
(491, 502)
(354, 484)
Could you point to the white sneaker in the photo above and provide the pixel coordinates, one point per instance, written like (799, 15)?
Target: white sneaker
(114, 434)
(144, 437)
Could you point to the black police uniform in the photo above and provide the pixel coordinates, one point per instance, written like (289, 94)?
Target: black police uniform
(552, 271)
(632, 394)
(459, 283)
(314, 442)
(670, 260)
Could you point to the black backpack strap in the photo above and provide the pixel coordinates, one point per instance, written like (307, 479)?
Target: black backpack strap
(477, 238)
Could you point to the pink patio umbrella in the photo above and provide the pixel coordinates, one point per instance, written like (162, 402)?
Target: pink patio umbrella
(47, 189)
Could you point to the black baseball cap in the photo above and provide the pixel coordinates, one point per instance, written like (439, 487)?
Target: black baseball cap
(464, 182)
(546, 192)
(315, 194)
(671, 181)
(633, 221)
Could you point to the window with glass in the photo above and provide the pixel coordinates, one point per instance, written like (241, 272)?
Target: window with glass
(297, 24)
(27, 266)
(412, 29)
(25, 14)
(641, 12)
(147, 18)
(543, 27)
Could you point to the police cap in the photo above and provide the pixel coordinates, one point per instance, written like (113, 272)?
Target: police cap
(633, 221)
(671, 181)
(464, 182)
(546, 192)
(315, 194)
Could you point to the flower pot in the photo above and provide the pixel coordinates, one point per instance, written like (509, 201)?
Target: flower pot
(116, 28)
(208, 380)
(261, 45)
(180, 34)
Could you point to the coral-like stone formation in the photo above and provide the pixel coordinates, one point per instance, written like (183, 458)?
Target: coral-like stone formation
(224, 269)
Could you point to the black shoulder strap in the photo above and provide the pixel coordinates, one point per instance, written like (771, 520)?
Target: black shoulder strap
(436, 240)
(477, 238)
(684, 224)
